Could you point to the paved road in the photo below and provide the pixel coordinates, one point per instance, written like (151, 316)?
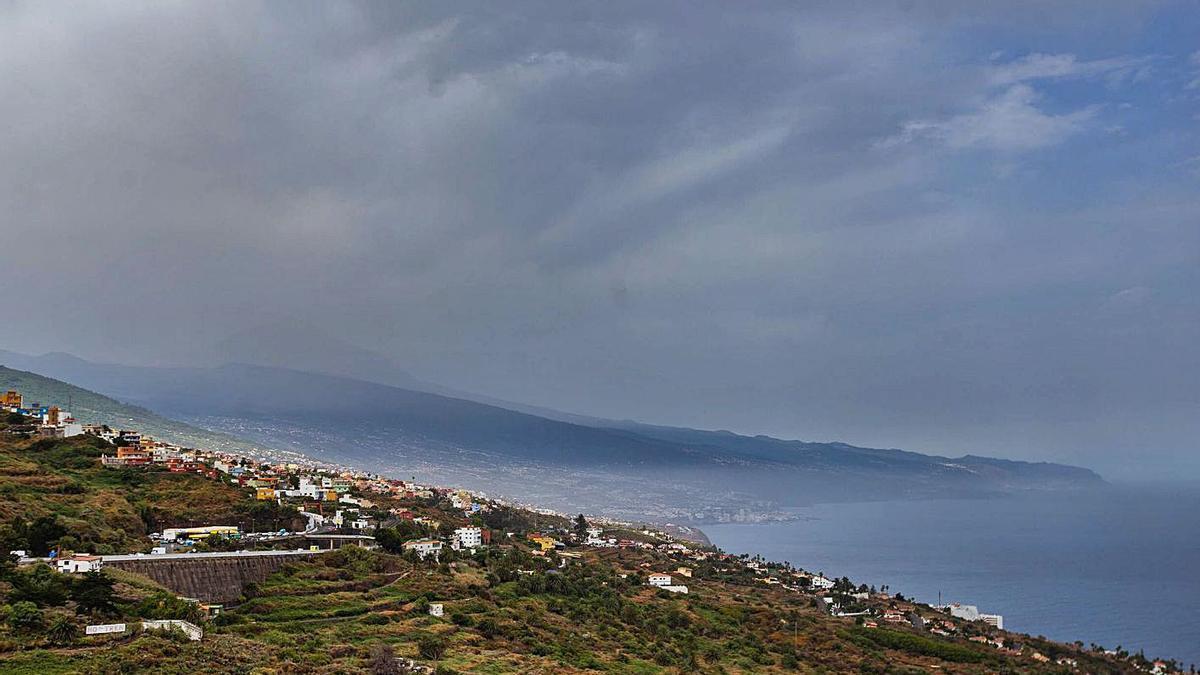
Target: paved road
(217, 554)
(200, 556)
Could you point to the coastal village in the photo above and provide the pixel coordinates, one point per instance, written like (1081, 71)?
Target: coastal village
(340, 507)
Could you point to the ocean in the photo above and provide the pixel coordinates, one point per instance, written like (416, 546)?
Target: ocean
(1118, 566)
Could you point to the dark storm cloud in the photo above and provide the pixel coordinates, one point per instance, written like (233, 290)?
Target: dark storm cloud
(900, 224)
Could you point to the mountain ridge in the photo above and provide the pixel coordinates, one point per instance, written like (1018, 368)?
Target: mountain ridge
(280, 396)
(95, 408)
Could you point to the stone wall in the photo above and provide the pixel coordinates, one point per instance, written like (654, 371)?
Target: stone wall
(218, 580)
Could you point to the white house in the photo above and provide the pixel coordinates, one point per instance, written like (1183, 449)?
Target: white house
(660, 580)
(78, 564)
(996, 620)
(468, 537)
(436, 609)
(972, 613)
(308, 489)
(424, 547)
(820, 583)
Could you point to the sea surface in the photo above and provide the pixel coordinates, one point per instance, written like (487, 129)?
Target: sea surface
(1120, 566)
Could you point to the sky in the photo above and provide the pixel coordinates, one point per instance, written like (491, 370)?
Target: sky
(940, 226)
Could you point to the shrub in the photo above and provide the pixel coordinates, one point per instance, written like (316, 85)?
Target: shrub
(41, 585)
(431, 647)
(383, 660)
(488, 628)
(25, 617)
(63, 630)
(167, 606)
(916, 644)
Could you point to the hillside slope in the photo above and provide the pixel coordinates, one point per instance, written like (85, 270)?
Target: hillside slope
(97, 408)
(509, 608)
(619, 468)
(106, 510)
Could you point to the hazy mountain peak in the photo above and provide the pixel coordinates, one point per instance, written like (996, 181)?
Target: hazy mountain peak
(301, 346)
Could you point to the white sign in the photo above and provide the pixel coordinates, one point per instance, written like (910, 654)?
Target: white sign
(105, 628)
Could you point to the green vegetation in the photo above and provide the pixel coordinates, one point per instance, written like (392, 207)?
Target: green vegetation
(506, 611)
(507, 608)
(54, 493)
(918, 644)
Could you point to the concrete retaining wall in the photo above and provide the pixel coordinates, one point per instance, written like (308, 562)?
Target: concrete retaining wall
(212, 580)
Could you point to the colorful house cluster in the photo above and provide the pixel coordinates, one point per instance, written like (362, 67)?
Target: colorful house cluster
(51, 421)
(327, 496)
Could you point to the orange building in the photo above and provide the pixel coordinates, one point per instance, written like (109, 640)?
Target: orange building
(12, 398)
(133, 454)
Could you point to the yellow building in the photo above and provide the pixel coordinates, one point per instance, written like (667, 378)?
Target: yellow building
(547, 543)
(12, 398)
(264, 494)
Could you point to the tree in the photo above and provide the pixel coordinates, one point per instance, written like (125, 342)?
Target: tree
(168, 606)
(8, 565)
(149, 518)
(41, 585)
(63, 630)
(93, 593)
(390, 540)
(488, 628)
(14, 536)
(25, 617)
(581, 526)
(43, 533)
(431, 647)
(383, 660)
(218, 542)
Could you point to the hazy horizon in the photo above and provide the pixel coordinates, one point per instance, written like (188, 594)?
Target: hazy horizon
(953, 230)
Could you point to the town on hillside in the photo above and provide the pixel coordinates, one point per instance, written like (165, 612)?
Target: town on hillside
(335, 508)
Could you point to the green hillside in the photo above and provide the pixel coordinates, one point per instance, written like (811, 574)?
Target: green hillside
(54, 492)
(508, 608)
(92, 408)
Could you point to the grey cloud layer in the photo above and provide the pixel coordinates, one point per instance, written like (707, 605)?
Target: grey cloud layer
(846, 222)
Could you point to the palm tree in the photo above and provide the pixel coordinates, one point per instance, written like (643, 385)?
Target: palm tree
(63, 630)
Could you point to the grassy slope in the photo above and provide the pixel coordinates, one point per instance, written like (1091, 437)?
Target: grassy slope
(327, 614)
(106, 510)
(95, 408)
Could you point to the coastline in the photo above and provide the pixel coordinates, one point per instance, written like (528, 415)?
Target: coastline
(1054, 566)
